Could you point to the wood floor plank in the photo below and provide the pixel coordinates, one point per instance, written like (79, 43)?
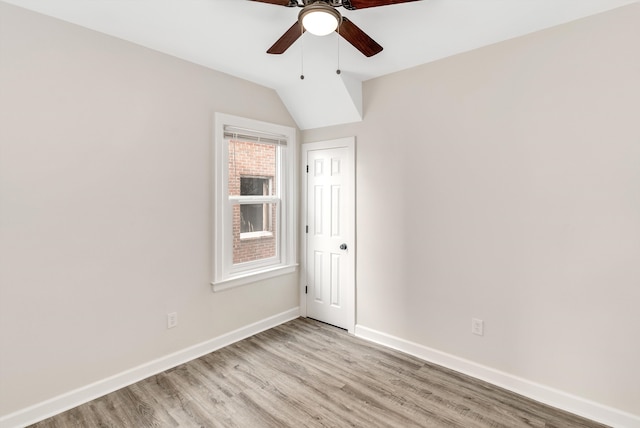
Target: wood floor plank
(307, 374)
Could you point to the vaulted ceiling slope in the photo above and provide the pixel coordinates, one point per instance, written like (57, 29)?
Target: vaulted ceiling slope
(232, 36)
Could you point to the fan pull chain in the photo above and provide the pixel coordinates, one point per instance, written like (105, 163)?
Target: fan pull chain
(338, 30)
(301, 53)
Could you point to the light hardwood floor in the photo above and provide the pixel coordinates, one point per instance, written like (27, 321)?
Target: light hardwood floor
(307, 374)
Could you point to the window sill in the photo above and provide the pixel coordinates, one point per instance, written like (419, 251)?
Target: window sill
(248, 278)
(255, 235)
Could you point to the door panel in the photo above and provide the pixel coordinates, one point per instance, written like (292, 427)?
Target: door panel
(335, 281)
(335, 211)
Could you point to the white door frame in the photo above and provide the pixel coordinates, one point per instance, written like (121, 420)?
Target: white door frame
(350, 201)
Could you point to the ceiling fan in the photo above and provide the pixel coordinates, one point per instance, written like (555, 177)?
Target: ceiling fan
(320, 17)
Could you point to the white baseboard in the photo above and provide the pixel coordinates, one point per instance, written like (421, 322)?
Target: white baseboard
(544, 394)
(90, 392)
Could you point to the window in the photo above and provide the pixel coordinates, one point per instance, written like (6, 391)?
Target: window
(254, 204)
(256, 220)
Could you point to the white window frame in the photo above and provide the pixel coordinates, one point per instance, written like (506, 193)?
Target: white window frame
(225, 273)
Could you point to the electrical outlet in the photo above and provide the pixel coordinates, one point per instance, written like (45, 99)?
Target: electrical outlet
(477, 326)
(172, 319)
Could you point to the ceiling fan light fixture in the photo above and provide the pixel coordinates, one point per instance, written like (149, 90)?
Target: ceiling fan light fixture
(319, 18)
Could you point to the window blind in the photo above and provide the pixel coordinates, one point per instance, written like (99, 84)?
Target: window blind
(250, 135)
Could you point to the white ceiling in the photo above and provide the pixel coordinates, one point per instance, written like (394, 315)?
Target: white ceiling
(232, 36)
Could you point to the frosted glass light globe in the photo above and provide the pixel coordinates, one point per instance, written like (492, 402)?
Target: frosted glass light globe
(319, 18)
(319, 22)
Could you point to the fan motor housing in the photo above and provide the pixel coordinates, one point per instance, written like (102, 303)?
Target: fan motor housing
(334, 3)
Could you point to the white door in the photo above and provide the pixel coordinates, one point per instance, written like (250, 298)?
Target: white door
(330, 232)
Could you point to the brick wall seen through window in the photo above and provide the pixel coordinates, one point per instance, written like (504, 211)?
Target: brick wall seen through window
(252, 170)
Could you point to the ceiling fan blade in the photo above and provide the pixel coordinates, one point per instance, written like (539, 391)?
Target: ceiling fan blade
(287, 39)
(362, 4)
(288, 3)
(358, 38)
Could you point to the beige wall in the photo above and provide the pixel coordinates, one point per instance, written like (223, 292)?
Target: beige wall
(504, 184)
(105, 172)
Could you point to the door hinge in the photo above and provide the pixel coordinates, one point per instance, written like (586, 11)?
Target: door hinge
(306, 230)
(306, 289)
(307, 169)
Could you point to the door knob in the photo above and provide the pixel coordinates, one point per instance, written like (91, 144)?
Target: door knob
(343, 246)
